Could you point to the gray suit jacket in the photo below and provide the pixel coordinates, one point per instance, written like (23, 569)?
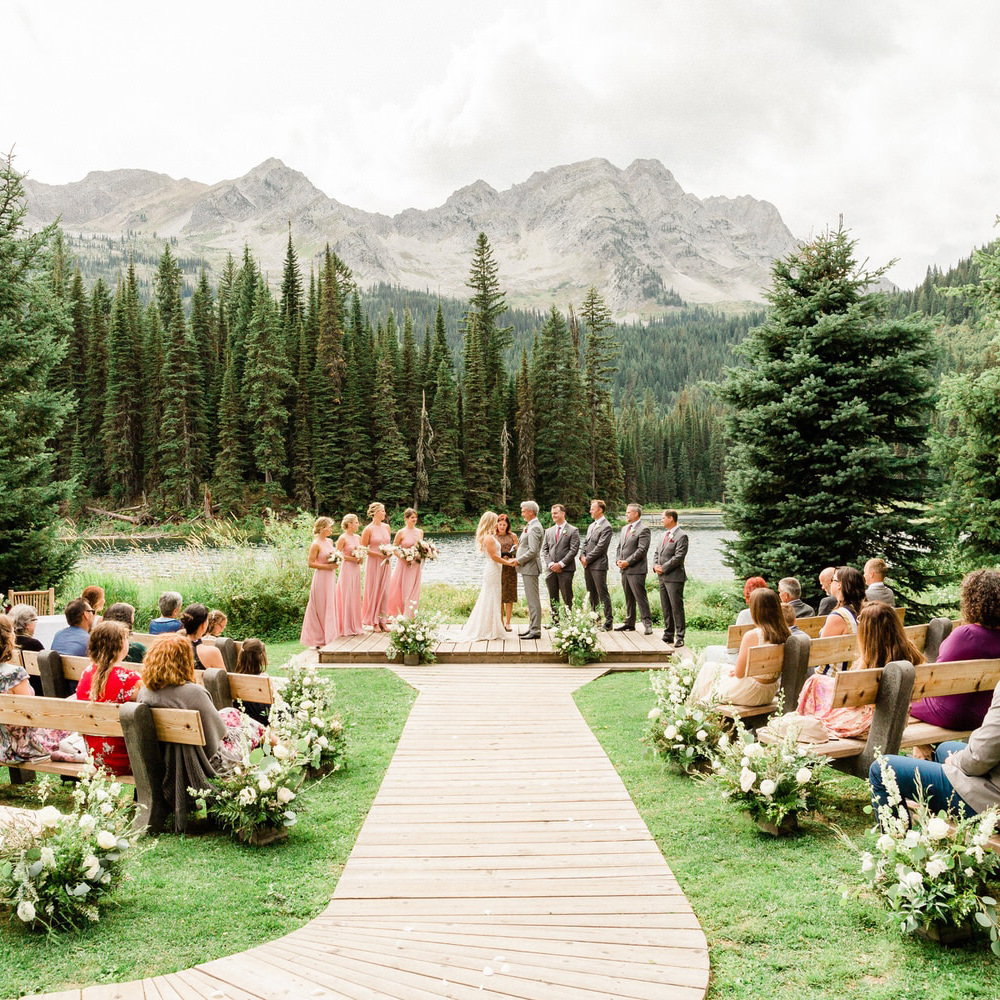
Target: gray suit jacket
(595, 545)
(529, 549)
(975, 771)
(564, 551)
(633, 545)
(671, 556)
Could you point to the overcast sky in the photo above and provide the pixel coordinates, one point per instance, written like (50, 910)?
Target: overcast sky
(886, 112)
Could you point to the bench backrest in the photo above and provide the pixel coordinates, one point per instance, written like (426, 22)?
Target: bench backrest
(225, 687)
(811, 626)
(27, 658)
(955, 677)
(43, 601)
(844, 648)
(230, 648)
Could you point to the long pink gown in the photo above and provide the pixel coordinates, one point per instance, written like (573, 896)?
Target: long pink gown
(404, 587)
(374, 607)
(320, 624)
(349, 590)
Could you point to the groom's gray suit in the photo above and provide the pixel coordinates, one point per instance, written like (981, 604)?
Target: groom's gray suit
(529, 565)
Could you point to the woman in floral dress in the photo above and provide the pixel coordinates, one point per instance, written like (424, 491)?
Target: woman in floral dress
(374, 607)
(404, 587)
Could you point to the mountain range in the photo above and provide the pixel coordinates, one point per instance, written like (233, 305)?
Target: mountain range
(634, 233)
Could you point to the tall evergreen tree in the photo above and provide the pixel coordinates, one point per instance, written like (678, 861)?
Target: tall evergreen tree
(34, 327)
(479, 449)
(393, 480)
(525, 430)
(845, 479)
(91, 411)
(444, 476)
(408, 391)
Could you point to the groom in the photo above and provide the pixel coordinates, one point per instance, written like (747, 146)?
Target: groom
(529, 565)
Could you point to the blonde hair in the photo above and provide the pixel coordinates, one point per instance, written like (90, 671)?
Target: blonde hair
(105, 647)
(170, 660)
(487, 526)
(348, 519)
(320, 523)
(374, 506)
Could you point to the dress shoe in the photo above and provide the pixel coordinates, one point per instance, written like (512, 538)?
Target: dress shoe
(647, 629)
(668, 639)
(625, 628)
(531, 635)
(678, 643)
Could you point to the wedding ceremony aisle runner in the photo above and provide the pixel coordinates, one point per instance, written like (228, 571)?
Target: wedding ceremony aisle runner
(502, 858)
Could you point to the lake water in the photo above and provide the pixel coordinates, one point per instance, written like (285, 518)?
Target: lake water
(458, 562)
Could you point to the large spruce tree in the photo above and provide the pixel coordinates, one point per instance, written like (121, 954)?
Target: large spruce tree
(34, 326)
(828, 419)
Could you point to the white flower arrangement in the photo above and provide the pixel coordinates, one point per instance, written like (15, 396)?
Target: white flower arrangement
(575, 637)
(302, 717)
(336, 557)
(933, 872)
(55, 868)
(772, 782)
(416, 636)
(685, 731)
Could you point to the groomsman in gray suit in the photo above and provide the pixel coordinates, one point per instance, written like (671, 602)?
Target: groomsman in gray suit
(562, 542)
(529, 565)
(594, 560)
(631, 558)
(668, 564)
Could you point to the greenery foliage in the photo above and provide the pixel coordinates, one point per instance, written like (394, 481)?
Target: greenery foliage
(575, 636)
(416, 636)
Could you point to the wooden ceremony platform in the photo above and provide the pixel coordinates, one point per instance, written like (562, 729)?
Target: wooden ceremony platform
(620, 648)
(502, 858)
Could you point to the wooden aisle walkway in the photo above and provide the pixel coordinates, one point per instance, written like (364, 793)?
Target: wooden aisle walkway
(502, 858)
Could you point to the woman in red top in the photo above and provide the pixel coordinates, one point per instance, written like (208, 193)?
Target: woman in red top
(109, 679)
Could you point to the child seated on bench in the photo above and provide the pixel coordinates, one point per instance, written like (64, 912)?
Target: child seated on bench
(253, 660)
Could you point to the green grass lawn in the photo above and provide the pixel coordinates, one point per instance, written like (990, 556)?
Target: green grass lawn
(772, 909)
(192, 899)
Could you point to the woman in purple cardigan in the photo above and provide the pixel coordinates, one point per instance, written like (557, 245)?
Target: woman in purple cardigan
(978, 639)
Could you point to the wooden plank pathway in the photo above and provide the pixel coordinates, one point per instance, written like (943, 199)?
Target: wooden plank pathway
(502, 858)
(622, 650)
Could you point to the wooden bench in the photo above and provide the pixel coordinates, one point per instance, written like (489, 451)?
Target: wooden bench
(144, 729)
(43, 601)
(225, 687)
(230, 648)
(837, 649)
(811, 626)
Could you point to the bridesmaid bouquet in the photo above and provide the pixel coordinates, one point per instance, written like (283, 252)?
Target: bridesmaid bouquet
(361, 553)
(427, 549)
(387, 550)
(409, 553)
(336, 557)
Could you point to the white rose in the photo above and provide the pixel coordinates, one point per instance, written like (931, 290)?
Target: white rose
(723, 741)
(91, 866)
(911, 839)
(248, 796)
(263, 783)
(323, 742)
(306, 704)
(49, 817)
(48, 857)
(747, 778)
(767, 787)
(317, 722)
(969, 873)
(280, 751)
(26, 911)
(802, 775)
(106, 808)
(87, 824)
(670, 732)
(106, 840)
(912, 880)
(701, 735)
(285, 795)
(936, 867)
(885, 843)
(867, 862)
(752, 749)
(101, 795)
(938, 828)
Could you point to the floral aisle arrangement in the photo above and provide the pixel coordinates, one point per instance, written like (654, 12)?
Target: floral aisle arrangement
(686, 732)
(416, 636)
(303, 717)
(252, 801)
(575, 637)
(772, 782)
(934, 872)
(55, 868)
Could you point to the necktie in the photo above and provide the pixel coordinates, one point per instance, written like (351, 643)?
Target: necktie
(558, 532)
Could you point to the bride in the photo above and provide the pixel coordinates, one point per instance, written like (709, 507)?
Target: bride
(486, 622)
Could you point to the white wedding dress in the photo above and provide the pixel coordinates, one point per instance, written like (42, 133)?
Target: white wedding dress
(486, 622)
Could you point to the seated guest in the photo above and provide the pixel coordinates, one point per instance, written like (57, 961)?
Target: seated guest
(73, 639)
(216, 623)
(125, 614)
(963, 778)
(94, 596)
(193, 620)
(729, 681)
(788, 613)
(881, 640)
(977, 639)
(752, 584)
(25, 618)
(107, 679)
(168, 682)
(848, 586)
(170, 607)
(790, 592)
(875, 570)
(829, 602)
(253, 660)
(20, 743)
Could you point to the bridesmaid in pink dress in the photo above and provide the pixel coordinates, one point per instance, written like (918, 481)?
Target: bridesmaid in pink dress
(376, 601)
(320, 624)
(404, 587)
(349, 578)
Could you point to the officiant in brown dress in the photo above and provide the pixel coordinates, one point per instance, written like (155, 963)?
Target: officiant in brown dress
(508, 576)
